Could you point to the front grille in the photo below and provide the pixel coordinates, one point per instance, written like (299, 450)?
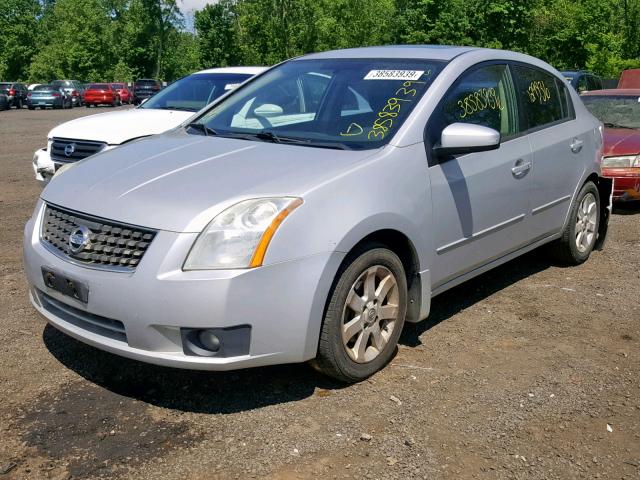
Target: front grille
(106, 327)
(68, 151)
(99, 243)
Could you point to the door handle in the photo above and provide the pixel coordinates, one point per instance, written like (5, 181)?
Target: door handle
(576, 146)
(521, 168)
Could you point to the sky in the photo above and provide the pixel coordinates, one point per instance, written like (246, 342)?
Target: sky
(188, 6)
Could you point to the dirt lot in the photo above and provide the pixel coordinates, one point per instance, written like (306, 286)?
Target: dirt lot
(517, 375)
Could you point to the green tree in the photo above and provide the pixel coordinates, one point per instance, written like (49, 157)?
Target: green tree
(18, 27)
(215, 25)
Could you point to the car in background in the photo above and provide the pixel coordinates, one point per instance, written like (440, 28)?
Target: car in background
(4, 99)
(314, 210)
(619, 111)
(73, 88)
(145, 88)
(48, 96)
(17, 93)
(101, 94)
(583, 81)
(125, 94)
(168, 109)
(33, 85)
(630, 79)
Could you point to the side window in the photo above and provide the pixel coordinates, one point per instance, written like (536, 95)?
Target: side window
(582, 86)
(542, 101)
(484, 96)
(593, 83)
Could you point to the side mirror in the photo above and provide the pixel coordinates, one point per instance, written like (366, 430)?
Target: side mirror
(462, 138)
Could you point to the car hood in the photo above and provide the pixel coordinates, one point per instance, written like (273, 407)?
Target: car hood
(118, 127)
(179, 182)
(621, 141)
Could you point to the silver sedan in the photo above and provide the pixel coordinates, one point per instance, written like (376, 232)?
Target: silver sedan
(309, 214)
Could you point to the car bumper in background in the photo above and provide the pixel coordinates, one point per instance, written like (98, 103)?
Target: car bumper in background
(626, 183)
(274, 310)
(45, 167)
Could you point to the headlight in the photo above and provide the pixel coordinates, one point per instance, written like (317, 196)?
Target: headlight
(626, 161)
(239, 236)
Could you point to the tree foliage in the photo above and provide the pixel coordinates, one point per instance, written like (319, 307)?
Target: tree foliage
(126, 39)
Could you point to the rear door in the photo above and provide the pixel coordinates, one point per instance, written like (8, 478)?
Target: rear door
(480, 200)
(559, 143)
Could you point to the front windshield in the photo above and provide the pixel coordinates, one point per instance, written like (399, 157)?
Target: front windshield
(339, 103)
(196, 91)
(615, 111)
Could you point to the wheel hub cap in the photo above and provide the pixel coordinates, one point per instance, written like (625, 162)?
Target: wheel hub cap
(370, 314)
(586, 223)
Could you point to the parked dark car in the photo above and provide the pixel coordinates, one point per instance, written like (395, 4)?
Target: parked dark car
(48, 96)
(583, 81)
(4, 100)
(73, 88)
(17, 93)
(101, 94)
(145, 88)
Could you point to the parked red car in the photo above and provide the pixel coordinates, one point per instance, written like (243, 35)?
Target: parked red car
(125, 94)
(619, 110)
(101, 94)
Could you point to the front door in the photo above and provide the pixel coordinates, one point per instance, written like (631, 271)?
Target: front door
(480, 200)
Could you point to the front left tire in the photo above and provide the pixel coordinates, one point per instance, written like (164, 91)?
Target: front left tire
(364, 315)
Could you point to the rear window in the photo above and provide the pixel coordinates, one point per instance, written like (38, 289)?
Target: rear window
(99, 86)
(543, 97)
(146, 83)
(44, 87)
(117, 85)
(62, 83)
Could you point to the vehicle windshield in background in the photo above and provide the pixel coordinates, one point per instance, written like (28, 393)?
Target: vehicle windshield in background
(615, 111)
(40, 88)
(118, 85)
(335, 103)
(194, 92)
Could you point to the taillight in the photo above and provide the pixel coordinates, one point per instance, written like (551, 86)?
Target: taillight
(74, 93)
(12, 92)
(56, 94)
(29, 95)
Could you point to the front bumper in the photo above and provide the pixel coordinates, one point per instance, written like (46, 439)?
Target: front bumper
(45, 167)
(281, 303)
(626, 183)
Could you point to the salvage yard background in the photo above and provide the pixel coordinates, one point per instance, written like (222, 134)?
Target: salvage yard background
(528, 372)
(121, 40)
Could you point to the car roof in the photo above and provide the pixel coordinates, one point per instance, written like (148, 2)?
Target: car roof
(616, 92)
(241, 70)
(430, 52)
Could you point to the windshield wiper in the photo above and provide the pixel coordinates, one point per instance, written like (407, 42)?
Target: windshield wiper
(615, 125)
(268, 136)
(180, 109)
(202, 128)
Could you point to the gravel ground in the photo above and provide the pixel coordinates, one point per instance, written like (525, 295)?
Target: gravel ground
(528, 372)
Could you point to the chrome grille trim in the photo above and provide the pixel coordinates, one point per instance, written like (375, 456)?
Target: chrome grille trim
(82, 149)
(112, 245)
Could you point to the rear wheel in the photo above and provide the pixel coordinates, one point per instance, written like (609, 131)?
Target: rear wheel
(364, 316)
(580, 235)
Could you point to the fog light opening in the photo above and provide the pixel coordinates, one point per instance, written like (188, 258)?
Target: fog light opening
(202, 342)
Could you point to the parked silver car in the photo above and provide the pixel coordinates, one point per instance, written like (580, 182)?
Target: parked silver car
(310, 213)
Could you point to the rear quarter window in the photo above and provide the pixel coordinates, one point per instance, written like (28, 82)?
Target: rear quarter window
(544, 99)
